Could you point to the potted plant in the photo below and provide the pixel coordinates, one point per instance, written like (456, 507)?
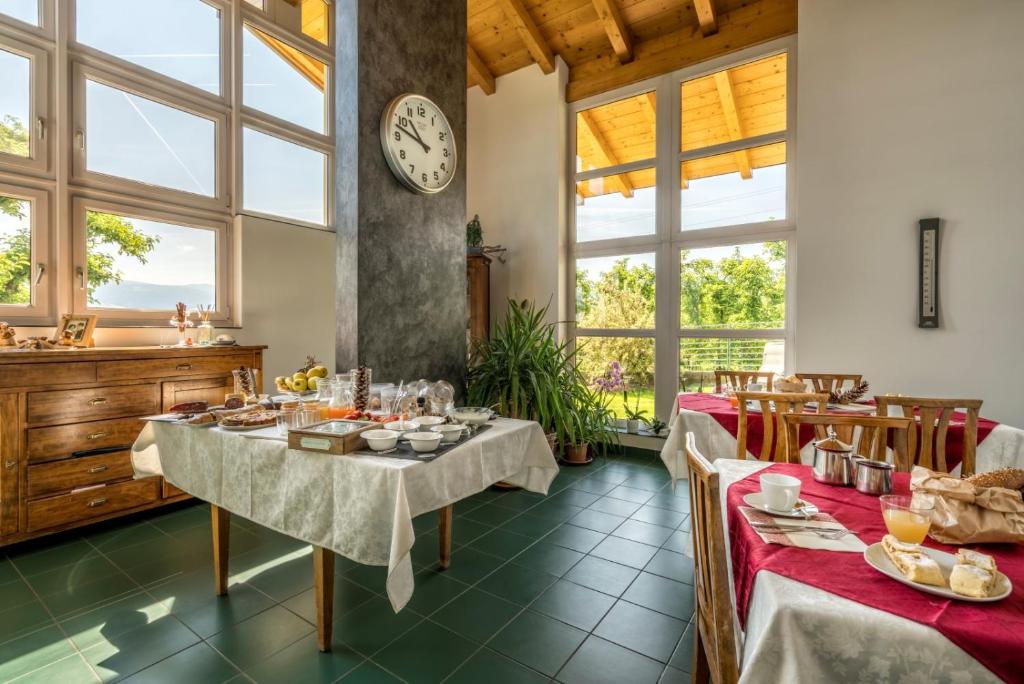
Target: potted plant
(474, 236)
(587, 431)
(634, 415)
(655, 425)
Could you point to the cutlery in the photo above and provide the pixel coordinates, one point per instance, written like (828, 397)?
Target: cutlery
(824, 532)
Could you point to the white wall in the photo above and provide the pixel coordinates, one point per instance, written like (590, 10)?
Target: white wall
(287, 293)
(908, 110)
(515, 171)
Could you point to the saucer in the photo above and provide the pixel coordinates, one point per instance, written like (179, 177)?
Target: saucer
(803, 509)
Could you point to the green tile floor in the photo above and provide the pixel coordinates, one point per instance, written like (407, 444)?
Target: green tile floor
(592, 583)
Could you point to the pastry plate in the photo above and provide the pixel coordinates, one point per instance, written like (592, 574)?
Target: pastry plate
(803, 509)
(877, 558)
(197, 425)
(245, 428)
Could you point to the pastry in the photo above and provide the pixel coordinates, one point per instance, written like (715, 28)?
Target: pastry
(189, 407)
(977, 559)
(251, 419)
(1008, 478)
(912, 563)
(202, 419)
(970, 580)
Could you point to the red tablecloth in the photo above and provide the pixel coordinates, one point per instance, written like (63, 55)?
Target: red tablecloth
(992, 633)
(728, 417)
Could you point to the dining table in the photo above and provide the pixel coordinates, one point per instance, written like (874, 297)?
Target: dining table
(824, 615)
(360, 505)
(714, 422)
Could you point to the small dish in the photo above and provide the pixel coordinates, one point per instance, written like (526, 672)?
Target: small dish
(401, 426)
(424, 442)
(876, 557)
(472, 415)
(381, 440)
(428, 421)
(449, 433)
(802, 509)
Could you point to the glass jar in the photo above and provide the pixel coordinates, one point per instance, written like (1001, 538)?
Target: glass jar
(246, 382)
(361, 379)
(341, 401)
(204, 334)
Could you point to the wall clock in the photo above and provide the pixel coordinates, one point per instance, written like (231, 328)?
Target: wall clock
(928, 275)
(418, 143)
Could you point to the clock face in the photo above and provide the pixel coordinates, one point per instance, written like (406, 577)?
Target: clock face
(418, 143)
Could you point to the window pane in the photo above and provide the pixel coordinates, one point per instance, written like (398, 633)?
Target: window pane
(735, 104)
(140, 264)
(733, 287)
(615, 206)
(748, 186)
(699, 357)
(615, 292)
(615, 133)
(15, 96)
(283, 81)
(177, 38)
(15, 251)
(614, 364)
(132, 137)
(283, 178)
(22, 10)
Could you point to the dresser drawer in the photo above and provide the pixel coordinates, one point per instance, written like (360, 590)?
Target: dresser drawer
(67, 508)
(61, 407)
(170, 490)
(169, 368)
(60, 441)
(63, 476)
(36, 374)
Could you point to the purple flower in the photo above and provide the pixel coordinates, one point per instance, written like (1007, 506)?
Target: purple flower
(611, 380)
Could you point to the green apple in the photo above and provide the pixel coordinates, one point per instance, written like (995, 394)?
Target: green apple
(299, 384)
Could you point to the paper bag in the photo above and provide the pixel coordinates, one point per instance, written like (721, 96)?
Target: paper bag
(966, 514)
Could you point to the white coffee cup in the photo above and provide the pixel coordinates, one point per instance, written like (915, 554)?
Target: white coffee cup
(780, 492)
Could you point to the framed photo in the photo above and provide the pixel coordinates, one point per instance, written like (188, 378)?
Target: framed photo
(76, 329)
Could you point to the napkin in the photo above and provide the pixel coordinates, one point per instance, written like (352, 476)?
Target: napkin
(804, 540)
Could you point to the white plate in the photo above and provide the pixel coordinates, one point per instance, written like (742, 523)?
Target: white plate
(877, 558)
(245, 428)
(756, 500)
(198, 425)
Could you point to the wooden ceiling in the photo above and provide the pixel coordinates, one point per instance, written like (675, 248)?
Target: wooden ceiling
(611, 43)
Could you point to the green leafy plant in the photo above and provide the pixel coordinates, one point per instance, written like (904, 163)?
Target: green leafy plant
(474, 233)
(655, 424)
(635, 413)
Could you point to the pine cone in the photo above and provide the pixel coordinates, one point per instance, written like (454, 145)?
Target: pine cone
(849, 396)
(310, 362)
(361, 388)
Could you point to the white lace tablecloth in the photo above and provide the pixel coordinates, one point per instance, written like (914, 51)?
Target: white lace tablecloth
(798, 633)
(360, 506)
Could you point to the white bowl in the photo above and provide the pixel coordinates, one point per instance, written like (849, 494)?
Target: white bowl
(380, 440)
(428, 421)
(424, 442)
(401, 426)
(449, 433)
(473, 415)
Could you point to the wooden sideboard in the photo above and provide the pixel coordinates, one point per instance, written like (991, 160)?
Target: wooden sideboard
(68, 420)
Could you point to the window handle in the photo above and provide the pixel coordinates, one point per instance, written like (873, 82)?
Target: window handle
(39, 273)
(80, 272)
(41, 128)
(80, 140)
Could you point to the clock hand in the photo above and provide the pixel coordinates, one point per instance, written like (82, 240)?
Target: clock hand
(415, 137)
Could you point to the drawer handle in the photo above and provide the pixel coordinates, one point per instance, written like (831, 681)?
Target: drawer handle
(97, 435)
(97, 469)
(10, 464)
(183, 366)
(96, 502)
(97, 401)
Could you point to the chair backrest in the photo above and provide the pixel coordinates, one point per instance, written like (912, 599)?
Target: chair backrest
(929, 448)
(715, 623)
(829, 382)
(738, 380)
(773, 405)
(873, 439)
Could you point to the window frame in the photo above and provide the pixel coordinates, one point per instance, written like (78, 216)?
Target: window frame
(224, 278)
(42, 293)
(47, 21)
(39, 116)
(669, 238)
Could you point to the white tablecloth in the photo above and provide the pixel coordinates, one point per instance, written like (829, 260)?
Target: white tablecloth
(798, 633)
(360, 506)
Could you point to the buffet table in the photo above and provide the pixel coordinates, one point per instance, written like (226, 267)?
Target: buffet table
(817, 616)
(713, 422)
(360, 506)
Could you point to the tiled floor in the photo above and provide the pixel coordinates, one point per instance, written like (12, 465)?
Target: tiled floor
(592, 583)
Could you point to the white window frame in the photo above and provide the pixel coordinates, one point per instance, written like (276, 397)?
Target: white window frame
(224, 264)
(669, 238)
(41, 275)
(39, 160)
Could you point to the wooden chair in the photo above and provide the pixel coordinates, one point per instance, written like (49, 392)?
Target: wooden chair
(774, 405)
(929, 449)
(714, 650)
(829, 382)
(873, 439)
(738, 380)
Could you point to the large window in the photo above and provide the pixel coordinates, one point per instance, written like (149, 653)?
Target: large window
(174, 117)
(683, 229)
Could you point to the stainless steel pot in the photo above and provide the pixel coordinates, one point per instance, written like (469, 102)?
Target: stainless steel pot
(873, 477)
(833, 461)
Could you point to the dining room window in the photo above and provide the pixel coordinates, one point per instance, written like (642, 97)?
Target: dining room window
(24, 252)
(683, 233)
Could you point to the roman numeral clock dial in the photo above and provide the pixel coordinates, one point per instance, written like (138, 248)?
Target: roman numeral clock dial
(418, 143)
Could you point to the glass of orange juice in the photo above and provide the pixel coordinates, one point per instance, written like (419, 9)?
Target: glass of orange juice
(907, 518)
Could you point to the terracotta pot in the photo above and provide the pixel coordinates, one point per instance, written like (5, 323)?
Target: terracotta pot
(577, 453)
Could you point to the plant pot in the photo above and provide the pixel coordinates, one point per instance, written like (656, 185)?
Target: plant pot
(633, 427)
(578, 454)
(620, 423)
(474, 250)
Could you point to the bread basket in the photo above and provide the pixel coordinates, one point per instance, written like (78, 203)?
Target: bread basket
(786, 386)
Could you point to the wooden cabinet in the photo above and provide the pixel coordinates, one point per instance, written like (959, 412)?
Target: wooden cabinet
(68, 420)
(478, 296)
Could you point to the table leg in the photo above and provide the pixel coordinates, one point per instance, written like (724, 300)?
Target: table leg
(444, 531)
(220, 521)
(323, 583)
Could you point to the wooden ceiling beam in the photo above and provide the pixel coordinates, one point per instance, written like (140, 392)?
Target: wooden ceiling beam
(732, 121)
(479, 72)
(706, 16)
(618, 32)
(604, 153)
(528, 32)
